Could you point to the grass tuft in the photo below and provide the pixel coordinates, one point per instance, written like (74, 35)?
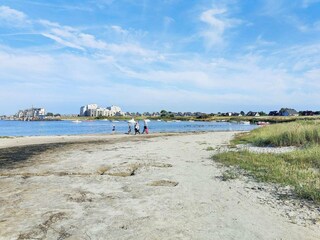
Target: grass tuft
(229, 175)
(210, 149)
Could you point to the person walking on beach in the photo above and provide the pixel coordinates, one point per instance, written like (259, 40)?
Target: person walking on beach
(129, 128)
(145, 127)
(136, 128)
(113, 128)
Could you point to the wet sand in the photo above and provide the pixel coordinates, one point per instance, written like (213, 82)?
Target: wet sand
(161, 186)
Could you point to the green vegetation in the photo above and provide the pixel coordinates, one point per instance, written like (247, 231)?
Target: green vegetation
(300, 133)
(210, 149)
(229, 175)
(299, 169)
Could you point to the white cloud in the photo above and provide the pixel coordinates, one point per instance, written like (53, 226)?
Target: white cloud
(74, 38)
(217, 23)
(13, 17)
(214, 34)
(119, 30)
(71, 37)
(61, 41)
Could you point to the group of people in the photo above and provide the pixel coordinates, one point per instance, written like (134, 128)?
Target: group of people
(137, 128)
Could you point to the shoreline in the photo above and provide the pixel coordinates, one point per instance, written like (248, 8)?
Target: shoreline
(122, 133)
(16, 141)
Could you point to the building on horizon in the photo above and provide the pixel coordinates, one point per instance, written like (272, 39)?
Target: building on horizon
(31, 114)
(84, 110)
(93, 110)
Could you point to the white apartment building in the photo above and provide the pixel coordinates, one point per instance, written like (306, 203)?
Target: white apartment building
(92, 110)
(114, 109)
(84, 110)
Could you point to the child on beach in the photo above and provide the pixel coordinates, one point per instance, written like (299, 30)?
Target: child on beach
(129, 128)
(113, 128)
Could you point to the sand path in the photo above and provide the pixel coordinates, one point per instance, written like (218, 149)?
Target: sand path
(163, 187)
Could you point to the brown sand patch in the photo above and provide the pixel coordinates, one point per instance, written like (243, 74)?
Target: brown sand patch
(163, 183)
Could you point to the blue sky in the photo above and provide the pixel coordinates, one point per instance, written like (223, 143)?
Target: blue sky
(148, 55)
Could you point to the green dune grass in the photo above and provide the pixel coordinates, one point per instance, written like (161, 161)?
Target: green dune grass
(300, 133)
(299, 169)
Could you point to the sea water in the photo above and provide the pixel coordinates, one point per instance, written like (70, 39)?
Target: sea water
(54, 128)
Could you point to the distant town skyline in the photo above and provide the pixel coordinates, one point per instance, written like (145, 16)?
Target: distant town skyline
(206, 55)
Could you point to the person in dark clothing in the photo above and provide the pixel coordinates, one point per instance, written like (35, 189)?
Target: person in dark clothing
(129, 128)
(136, 128)
(145, 127)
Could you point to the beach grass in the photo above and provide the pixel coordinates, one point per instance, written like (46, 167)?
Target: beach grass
(299, 169)
(300, 133)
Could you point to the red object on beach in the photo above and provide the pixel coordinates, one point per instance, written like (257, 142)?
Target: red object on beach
(263, 123)
(147, 131)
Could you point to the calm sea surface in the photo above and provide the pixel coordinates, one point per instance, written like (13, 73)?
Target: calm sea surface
(46, 128)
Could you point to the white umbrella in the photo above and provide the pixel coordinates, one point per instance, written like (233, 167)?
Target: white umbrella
(131, 121)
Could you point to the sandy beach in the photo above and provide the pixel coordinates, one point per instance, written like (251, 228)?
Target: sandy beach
(157, 186)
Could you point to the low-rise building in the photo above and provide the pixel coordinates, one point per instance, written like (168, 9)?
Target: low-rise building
(273, 113)
(288, 112)
(306, 113)
(253, 114)
(31, 114)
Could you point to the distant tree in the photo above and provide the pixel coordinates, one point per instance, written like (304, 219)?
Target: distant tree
(262, 113)
(49, 114)
(163, 113)
(242, 113)
(57, 115)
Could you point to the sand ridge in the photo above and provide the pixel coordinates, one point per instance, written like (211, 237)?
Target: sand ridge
(164, 186)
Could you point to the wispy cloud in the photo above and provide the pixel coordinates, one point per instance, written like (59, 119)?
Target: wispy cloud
(13, 18)
(217, 23)
(71, 37)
